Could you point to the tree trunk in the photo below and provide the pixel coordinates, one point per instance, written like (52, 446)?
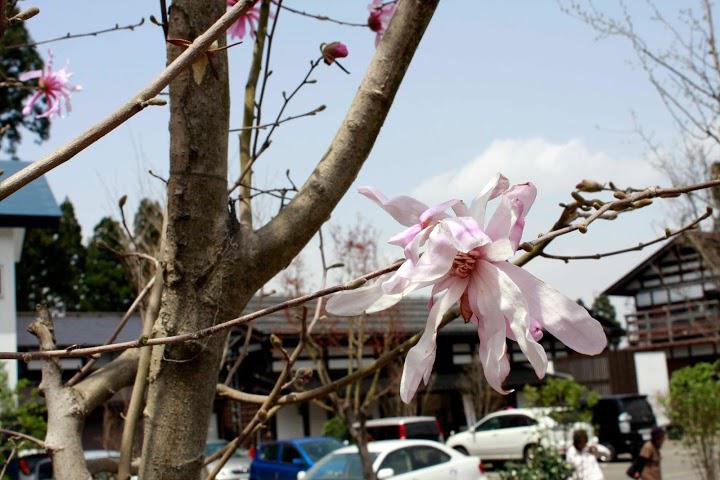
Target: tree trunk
(182, 377)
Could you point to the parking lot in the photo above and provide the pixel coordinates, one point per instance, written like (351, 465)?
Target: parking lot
(676, 465)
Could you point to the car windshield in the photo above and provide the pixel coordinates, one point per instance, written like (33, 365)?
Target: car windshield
(213, 447)
(338, 466)
(638, 407)
(317, 449)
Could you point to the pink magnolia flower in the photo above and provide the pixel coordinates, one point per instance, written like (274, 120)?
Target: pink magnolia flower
(53, 85)
(248, 20)
(465, 261)
(385, 291)
(380, 14)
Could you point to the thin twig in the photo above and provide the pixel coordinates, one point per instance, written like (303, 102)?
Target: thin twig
(118, 328)
(668, 234)
(312, 112)
(266, 142)
(9, 459)
(323, 18)
(69, 36)
(22, 436)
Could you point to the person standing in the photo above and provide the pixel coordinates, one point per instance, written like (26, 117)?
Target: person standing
(648, 462)
(582, 458)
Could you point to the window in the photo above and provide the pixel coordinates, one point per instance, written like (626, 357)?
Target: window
(290, 454)
(491, 424)
(386, 432)
(346, 466)
(317, 449)
(422, 430)
(513, 421)
(660, 297)
(399, 461)
(269, 452)
(643, 299)
(424, 457)
(680, 294)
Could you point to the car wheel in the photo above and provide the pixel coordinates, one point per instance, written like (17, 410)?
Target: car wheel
(529, 453)
(462, 450)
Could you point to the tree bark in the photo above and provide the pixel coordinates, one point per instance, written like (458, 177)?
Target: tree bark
(182, 377)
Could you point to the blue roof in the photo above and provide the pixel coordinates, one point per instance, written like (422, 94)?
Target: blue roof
(32, 206)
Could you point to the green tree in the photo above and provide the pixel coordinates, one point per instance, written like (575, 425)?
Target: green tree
(106, 285)
(21, 409)
(51, 266)
(13, 62)
(601, 307)
(694, 405)
(577, 401)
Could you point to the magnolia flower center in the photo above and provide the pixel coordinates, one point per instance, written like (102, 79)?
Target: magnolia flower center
(464, 263)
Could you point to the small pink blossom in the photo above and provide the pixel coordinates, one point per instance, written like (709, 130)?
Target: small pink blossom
(465, 260)
(379, 19)
(334, 50)
(248, 20)
(53, 85)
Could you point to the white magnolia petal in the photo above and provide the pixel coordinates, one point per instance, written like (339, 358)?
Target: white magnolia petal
(515, 309)
(498, 251)
(461, 210)
(496, 186)
(412, 249)
(420, 359)
(463, 233)
(359, 300)
(491, 331)
(508, 221)
(406, 237)
(437, 212)
(404, 209)
(437, 260)
(562, 317)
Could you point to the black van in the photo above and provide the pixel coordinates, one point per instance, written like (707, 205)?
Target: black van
(623, 422)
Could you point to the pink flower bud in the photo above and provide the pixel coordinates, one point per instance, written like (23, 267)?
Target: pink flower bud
(334, 50)
(375, 21)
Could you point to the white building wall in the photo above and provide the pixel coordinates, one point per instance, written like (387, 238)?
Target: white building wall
(318, 418)
(653, 380)
(10, 248)
(289, 422)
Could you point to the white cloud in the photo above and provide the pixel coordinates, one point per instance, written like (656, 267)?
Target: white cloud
(554, 167)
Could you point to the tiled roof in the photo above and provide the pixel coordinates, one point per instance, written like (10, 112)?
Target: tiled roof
(91, 328)
(32, 206)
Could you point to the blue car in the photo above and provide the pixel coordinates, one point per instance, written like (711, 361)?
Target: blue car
(282, 460)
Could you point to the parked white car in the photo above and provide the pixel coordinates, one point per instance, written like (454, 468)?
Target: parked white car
(512, 434)
(399, 459)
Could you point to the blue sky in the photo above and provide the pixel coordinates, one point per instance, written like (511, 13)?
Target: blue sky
(513, 86)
